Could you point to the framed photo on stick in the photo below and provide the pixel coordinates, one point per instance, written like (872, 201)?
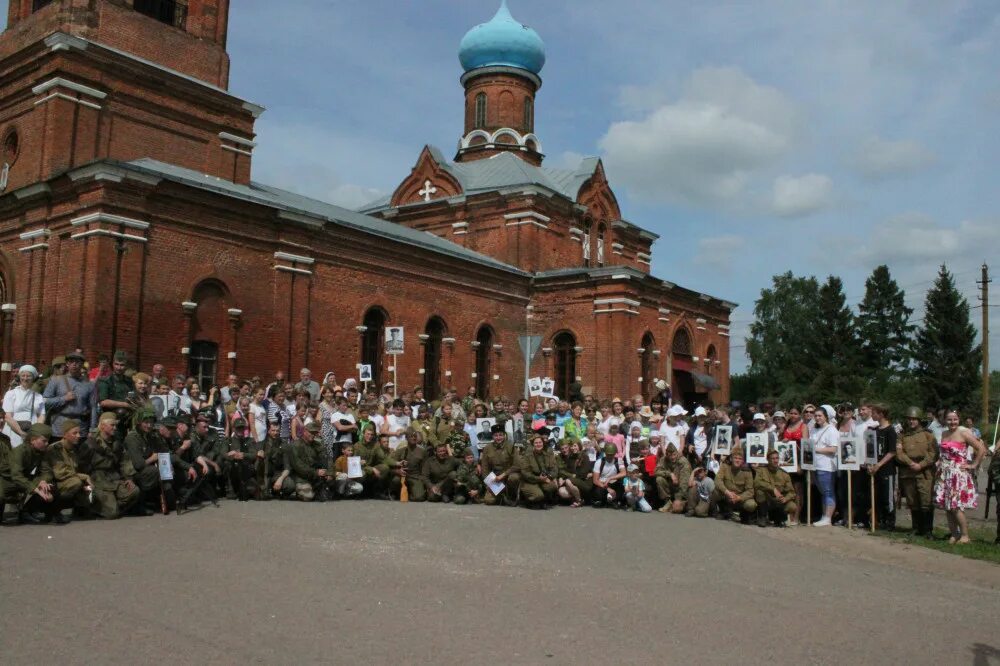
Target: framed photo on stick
(871, 447)
(850, 451)
(808, 462)
(787, 456)
(722, 442)
(756, 446)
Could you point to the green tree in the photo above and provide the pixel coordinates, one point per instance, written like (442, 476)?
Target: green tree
(783, 317)
(947, 358)
(833, 349)
(884, 330)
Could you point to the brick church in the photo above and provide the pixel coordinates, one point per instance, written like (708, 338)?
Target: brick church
(129, 220)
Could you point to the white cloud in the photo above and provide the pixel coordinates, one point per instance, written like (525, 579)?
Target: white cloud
(704, 147)
(881, 158)
(796, 196)
(718, 252)
(914, 239)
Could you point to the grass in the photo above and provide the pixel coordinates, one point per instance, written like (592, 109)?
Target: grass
(981, 548)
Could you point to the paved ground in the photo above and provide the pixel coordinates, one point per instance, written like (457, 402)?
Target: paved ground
(380, 582)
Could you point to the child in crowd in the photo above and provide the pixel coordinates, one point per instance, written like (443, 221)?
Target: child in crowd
(468, 486)
(701, 486)
(616, 438)
(635, 491)
(345, 486)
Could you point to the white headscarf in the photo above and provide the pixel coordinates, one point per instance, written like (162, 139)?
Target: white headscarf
(29, 368)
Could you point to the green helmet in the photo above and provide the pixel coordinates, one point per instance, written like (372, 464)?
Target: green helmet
(145, 413)
(914, 413)
(610, 450)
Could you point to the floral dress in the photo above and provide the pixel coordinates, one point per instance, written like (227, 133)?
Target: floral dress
(955, 487)
(327, 432)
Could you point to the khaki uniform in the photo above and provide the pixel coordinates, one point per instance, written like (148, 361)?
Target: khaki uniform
(466, 480)
(414, 458)
(917, 446)
(426, 430)
(105, 462)
(739, 481)
(533, 466)
(440, 432)
(765, 483)
(373, 456)
(69, 480)
(665, 486)
(500, 459)
(582, 469)
(439, 473)
(305, 459)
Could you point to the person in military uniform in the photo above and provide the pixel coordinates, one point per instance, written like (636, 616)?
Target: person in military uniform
(102, 458)
(539, 474)
(407, 463)
(113, 391)
(916, 454)
(672, 475)
(307, 465)
(142, 446)
(438, 474)
(499, 457)
(566, 488)
(276, 477)
(373, 449)
(26, 474)
(774, 493)
(734, 492)
(243, 456)
(424, 426)
(75, 488)
(469, 488)
(443, 428)
(582, 469)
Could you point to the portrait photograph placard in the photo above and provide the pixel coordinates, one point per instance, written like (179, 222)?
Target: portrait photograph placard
(393, 339)
(722, 442)
(787, 456)
(515, 430)
(871, 447)
(365, 373)
(756, 448)
(535, 387)
(850, 451)
(548, 388)
(808, 462)
(484, 434)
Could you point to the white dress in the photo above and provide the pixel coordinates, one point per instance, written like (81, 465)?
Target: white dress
(20, 402)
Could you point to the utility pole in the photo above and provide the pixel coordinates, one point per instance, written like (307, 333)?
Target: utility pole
(984, 286)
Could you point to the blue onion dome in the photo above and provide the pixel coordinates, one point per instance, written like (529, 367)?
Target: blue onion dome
(503, 41)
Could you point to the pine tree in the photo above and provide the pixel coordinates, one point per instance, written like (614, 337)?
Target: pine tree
(946, 355)
(884, 330)
(834, 351)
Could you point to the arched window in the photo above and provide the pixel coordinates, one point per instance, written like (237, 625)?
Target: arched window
(480, 111)
(564, 347)
(484, 366)
(682, 342)
(529, 111)
(586, 244)
(203, 361)
(711, 356)
(374, 339)
(435, 332)
(601, 231)
(648, 365)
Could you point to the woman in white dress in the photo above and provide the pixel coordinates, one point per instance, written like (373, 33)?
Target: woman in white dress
(22, 406)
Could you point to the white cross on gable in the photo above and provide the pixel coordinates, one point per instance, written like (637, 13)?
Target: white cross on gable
(427, 191)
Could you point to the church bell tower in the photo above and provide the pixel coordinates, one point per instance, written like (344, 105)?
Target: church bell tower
(502, 60)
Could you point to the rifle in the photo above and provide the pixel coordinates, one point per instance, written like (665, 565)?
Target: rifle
(404, 494)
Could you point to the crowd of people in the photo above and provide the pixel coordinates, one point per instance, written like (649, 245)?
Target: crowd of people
(110, 441)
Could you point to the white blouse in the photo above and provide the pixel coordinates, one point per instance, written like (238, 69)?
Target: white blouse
(24, 405)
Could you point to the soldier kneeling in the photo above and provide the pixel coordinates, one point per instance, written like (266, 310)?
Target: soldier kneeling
(775, 493)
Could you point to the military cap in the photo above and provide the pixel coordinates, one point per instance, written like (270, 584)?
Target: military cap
(914, 413)
(203, 418)
(551, 414)
(121, 357)
(241, 423)
(58, 360)
(168, 422)
(497, 428)
(312, 427)
(145, 414)
(39, 430)
(610, 450)
(69, 424)
(109, 417)
(74, 356)
(671, 448)
(184, 418)
(543, 431)
(436, 404)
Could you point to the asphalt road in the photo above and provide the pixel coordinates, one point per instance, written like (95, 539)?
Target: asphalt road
(380, 582)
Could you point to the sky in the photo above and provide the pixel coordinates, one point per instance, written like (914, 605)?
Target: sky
(822, 137)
